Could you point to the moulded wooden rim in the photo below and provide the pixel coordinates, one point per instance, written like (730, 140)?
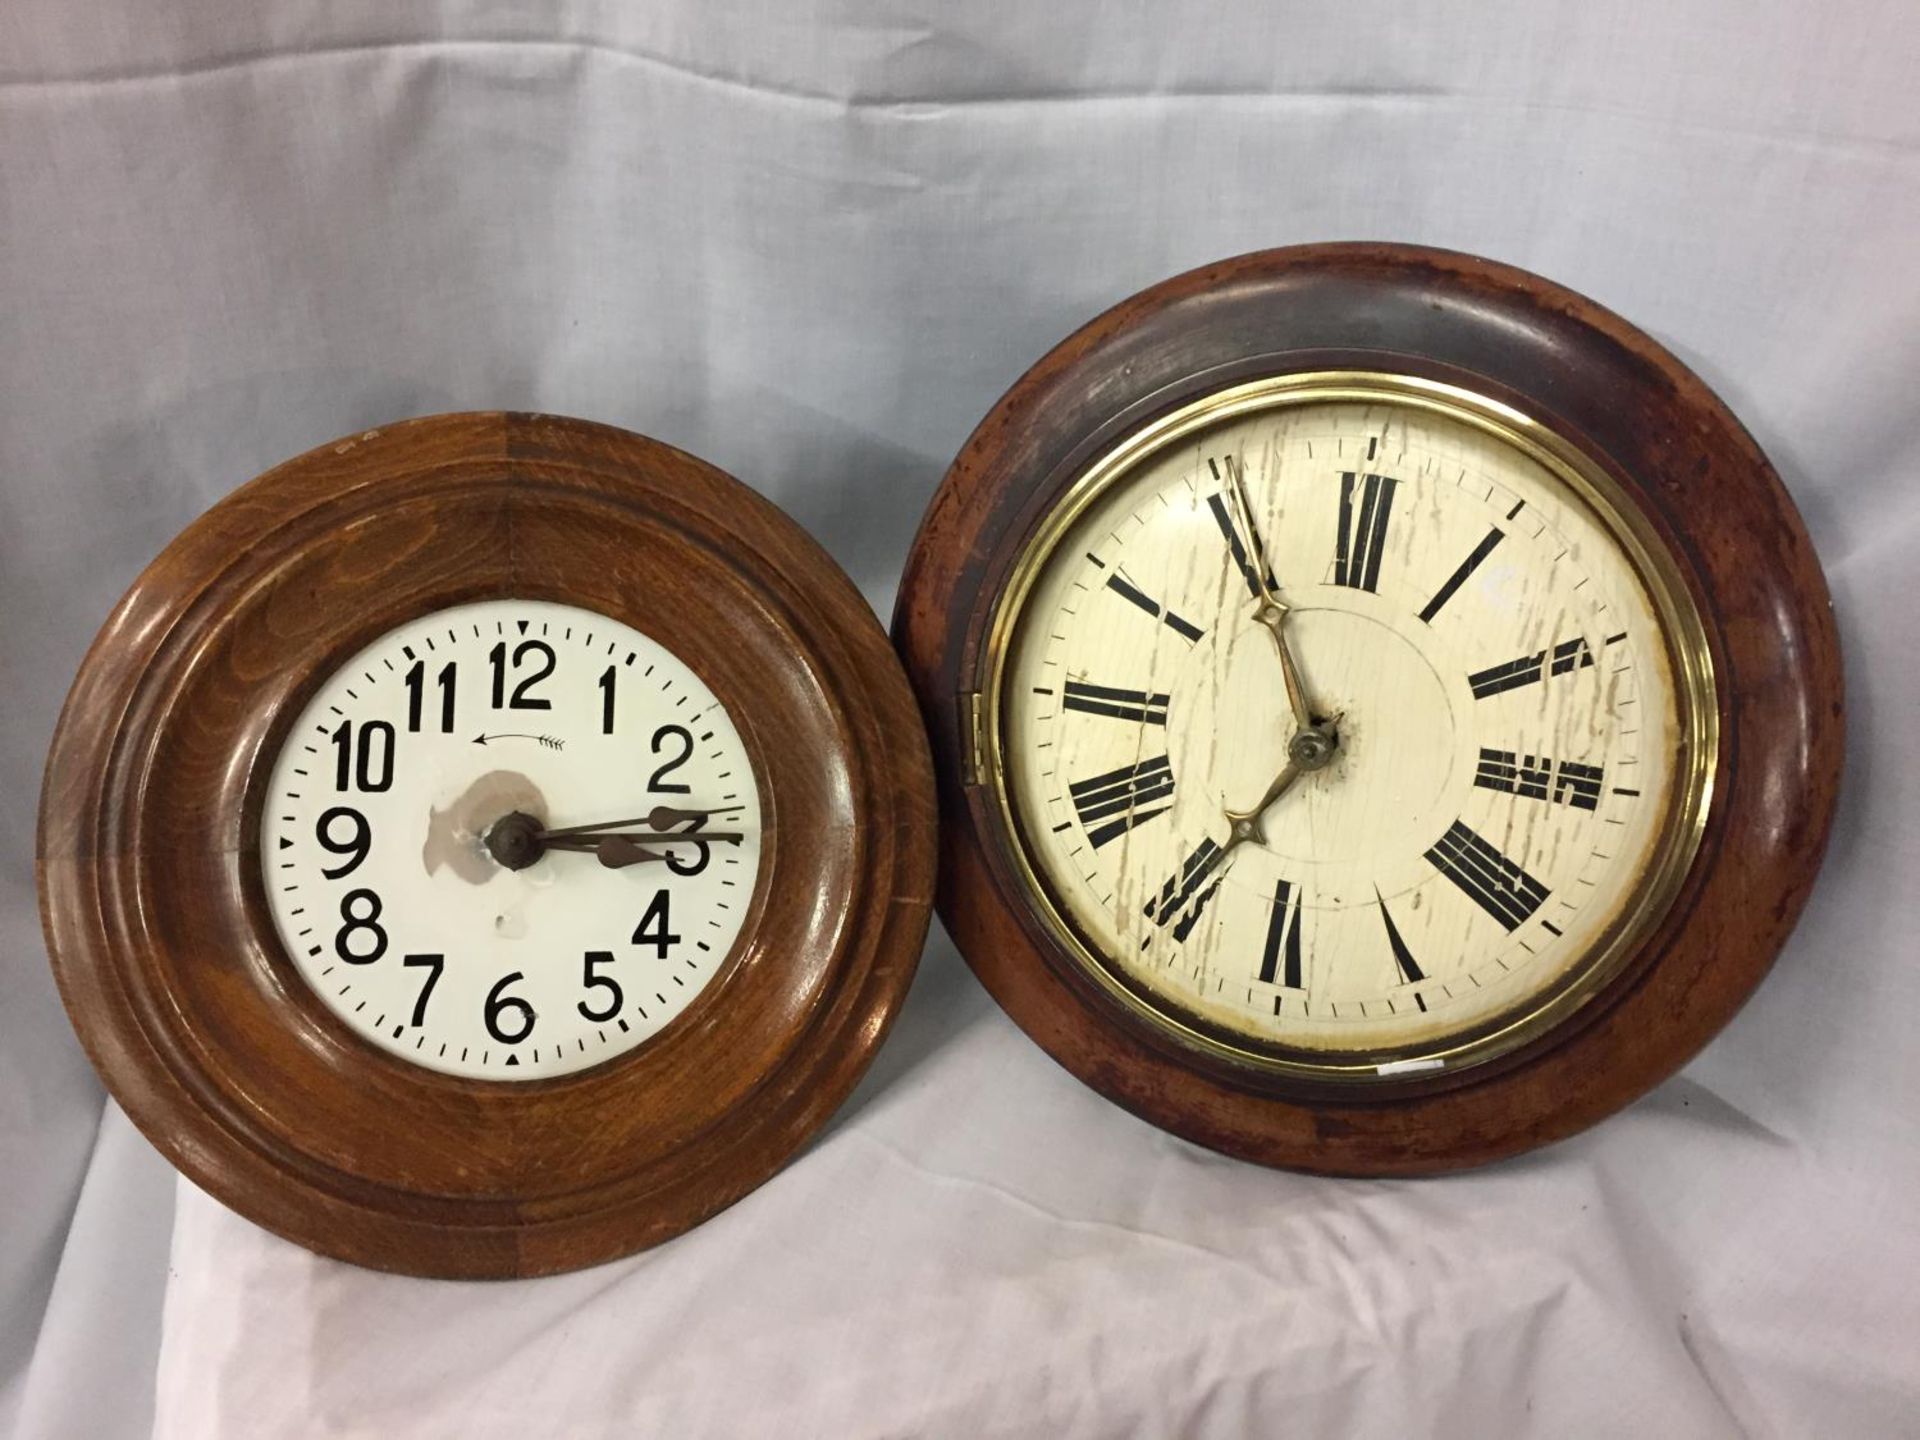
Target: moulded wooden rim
(1600, 385)
(158, 929)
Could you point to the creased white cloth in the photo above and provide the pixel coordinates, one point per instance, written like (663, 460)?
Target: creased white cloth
(813, 243)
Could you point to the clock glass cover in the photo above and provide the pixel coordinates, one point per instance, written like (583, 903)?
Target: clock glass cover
(1348, 725)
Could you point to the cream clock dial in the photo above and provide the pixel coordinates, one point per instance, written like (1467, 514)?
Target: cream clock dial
(1341, 727)
(510, 840)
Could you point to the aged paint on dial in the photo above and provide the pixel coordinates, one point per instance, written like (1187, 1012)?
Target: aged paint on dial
(388, 899)
(1482, 651)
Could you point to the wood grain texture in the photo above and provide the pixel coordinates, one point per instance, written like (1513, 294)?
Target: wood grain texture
(1602, 385)
(168, 961)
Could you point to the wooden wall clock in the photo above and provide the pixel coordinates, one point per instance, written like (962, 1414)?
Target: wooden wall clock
(1387, 709)
(487, 845)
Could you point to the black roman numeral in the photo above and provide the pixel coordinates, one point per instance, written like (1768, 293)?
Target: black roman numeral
(1136, 705)
(1185, 895)
(1409, 968)
(1236, 546)
(1490, 880)
(1185, 629)
(1120, 798)
(1567, 655)
(1459, 577)
(1363, 529)
(1538, 778)
(1283, 938)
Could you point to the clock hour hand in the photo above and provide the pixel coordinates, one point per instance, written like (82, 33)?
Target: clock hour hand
(1309, 750)
(1245, 824)
(616, 852)
(1273, 610)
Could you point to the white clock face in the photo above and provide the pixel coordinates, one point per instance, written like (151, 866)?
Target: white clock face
(503, 952)
(1489, 680)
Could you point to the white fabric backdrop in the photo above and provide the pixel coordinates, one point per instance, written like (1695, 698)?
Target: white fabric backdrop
(812, 242)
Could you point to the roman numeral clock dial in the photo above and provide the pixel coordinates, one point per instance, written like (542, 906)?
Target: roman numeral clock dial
(1387, 706)
(1339, 729)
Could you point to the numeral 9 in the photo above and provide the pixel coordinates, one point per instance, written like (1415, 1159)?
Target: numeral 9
(357, 846)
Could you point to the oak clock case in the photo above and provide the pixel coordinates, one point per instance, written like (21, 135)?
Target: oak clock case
(487, 845)
(1387, 708)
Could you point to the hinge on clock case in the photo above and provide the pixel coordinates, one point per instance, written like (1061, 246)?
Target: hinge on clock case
(972, 736)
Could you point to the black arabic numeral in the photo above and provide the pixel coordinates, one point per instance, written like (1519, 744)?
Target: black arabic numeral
(434, 965)
(520, 699)
(361, 758)
(663, 738)
(703, 852)
(343, 941)
(606, 701)
(416, 695)
(357, 847)
(591, 981)
(498, 1005)
(652, 929)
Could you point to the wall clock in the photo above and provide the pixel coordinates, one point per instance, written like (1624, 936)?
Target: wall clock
(487, 845)
(1387, 708)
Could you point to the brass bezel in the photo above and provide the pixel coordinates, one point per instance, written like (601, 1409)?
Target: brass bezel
(1689, 657)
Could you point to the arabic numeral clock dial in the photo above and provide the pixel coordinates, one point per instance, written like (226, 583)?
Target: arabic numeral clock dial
(486, 846)
(1361, 754)
(416, 853)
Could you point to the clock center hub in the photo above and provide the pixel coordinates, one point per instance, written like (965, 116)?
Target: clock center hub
(459, 835)
(514, 840)
(1379, 766)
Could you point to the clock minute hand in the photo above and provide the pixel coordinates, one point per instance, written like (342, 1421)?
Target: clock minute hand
(658, 818)
(1273, 610)
(588, 839)
(616, 852)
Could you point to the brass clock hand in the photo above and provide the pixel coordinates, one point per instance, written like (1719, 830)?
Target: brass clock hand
(1309, 750)
(1245, 824)
(1273, 610)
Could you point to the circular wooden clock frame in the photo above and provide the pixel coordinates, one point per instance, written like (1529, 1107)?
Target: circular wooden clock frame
(167, 957)
(1699, 486)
